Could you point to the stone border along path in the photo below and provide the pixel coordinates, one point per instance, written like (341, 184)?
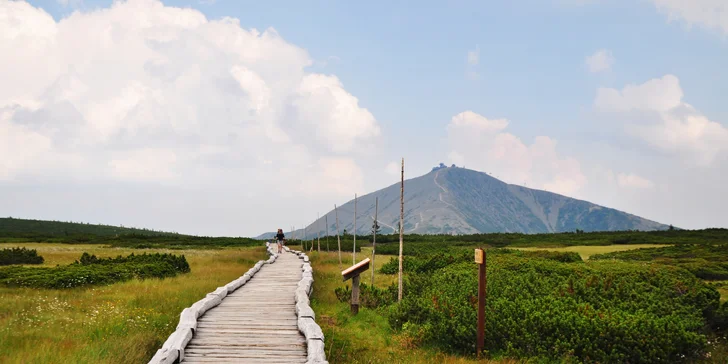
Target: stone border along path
(270, 321)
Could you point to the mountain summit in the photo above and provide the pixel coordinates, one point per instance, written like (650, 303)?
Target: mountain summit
(454, 200)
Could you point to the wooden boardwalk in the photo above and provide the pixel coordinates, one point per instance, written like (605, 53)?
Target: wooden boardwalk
(257, 323)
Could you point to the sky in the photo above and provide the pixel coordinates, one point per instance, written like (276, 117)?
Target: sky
(234, 118)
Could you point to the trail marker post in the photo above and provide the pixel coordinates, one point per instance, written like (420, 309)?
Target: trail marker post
(480, 259)
(354, 273)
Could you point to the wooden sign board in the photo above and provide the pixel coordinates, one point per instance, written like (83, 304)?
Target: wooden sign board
(356, 269)
(479, 256)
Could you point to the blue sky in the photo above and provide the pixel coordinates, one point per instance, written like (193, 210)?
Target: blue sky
(407, 64)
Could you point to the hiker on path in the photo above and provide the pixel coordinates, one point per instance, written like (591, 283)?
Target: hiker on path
(280, 239)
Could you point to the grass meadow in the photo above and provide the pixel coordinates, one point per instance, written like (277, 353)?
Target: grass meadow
(127, 322)
(119, 323)
(587, 251)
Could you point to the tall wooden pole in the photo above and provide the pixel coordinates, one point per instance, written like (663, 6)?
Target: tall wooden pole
(353, 254)
(318, 231)
(481, 259)
(304, 237)
(401, 227)
(326, 217)
(338, 237)
(374, 234)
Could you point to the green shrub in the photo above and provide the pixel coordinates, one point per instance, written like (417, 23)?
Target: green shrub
(598, 312)
(369, 296)
(563, 257)
(409, 264)
(20, 256)
(93, 271)
(178, 262)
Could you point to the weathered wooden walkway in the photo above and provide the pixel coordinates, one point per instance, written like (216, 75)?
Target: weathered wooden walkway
(255, 324)
(262, 317)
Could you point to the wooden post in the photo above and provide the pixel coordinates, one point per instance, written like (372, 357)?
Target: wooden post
(355, 295)
(318, 231)
(401, 228)
(353, 254)
(354, 273)
(480, 259)
(374, 235)
(326, 218)
(312, 243)
(338, 237)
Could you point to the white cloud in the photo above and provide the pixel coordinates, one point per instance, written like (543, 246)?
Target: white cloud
(633, 181)
(471, 120)
(336, 176)
(393, 168)
(660, 94)
(656, 113)
(322, 97)
(601, 60)
(483, 144)
(457, 158)
(147, 164)
(710, 14)
(145, 92)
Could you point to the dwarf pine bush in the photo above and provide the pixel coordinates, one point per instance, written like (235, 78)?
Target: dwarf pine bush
(20, 256)
(91, 270)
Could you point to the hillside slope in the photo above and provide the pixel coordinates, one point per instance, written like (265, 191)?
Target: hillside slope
(12, 227)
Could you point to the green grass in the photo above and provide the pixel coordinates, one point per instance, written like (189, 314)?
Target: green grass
(706, 261)
(722, 287)
(119, 323)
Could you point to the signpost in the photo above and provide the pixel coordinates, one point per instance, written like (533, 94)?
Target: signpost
(480, 259)
(353, 272)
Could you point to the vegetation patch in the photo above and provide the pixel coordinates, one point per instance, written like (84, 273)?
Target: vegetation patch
(706, 261)
(433, 262)
(416, 244)
(536, 307)
(91, 270)
(38, 231)
(19, 256)
(125, 322)
(369, 296)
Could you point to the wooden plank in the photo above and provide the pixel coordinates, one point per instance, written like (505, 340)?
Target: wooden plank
(257, 322)
(249, 341)
(355, 269)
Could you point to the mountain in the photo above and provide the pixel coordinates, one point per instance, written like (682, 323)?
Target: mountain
(453, 200)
